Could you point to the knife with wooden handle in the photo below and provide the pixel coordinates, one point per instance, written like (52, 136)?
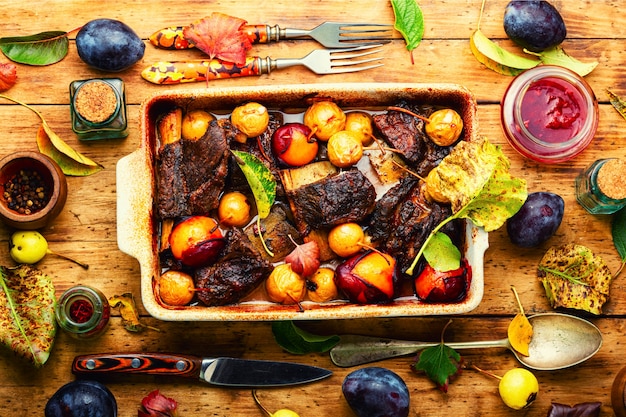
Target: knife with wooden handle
(229, 372)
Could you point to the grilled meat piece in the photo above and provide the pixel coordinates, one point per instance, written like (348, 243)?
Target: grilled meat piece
(406, 133)
(347, 196)
(237, 273)
(191, 174)
(402, 220)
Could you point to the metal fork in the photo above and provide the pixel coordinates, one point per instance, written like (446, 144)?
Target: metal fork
(320, 61)
(337, 34)
(329, 61)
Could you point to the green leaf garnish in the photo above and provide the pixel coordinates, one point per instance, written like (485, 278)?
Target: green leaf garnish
(263, 186)
(442, 254)
(27, 323)
(618, 230)
(261, 181)
(475, 179)
(440, 363)
(409, 21)
(43, 48)
(299, 342)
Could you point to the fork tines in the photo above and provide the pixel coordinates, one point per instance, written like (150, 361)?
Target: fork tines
(365, 31)
(342, 60)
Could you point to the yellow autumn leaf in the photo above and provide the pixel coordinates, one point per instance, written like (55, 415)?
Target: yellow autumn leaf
(497, 59)
(71, 162)
(520, 333)
(128, 311)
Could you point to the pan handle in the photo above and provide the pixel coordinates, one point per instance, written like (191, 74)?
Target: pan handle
(134, 205)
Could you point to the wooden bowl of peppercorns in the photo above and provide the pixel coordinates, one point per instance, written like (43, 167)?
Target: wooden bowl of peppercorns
(34, 190)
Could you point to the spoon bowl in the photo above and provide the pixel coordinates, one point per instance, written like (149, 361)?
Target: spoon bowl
(559, 341)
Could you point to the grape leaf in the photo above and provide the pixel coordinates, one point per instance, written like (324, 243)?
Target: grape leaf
(440, 363)
(618, 231)
(409, 21)
(573, 277)
(220, 36)
(441, 253)
(27, 322)
(475, 178)
(299, 342)
(557, 56)
(43, 48)
(497, 59)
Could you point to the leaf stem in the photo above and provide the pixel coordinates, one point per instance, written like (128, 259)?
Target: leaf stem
(409, 271)
(519, 303)
(23, 104)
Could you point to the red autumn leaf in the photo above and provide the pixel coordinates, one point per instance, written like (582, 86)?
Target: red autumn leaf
(156, 404)
(220, 36)
(8, 75)
(304, 259)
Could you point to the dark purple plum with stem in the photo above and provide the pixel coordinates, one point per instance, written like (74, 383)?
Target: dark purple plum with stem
(534, 25)
(537, 220)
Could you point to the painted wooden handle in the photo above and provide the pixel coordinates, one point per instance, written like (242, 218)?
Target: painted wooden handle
(138, 363)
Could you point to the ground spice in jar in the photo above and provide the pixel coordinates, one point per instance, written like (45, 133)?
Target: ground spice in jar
(26, 192)
(95, 101)
(612, 179)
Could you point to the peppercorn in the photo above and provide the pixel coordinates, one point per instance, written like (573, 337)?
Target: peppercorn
(26, 192)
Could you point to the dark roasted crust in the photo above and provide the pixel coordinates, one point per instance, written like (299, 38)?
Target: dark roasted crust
(240, 270)
(406, 133)
(346, 197)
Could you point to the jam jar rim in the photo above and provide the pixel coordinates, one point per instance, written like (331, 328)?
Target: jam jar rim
(511, 112)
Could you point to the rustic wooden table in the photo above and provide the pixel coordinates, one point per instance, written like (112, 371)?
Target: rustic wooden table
(87, 227)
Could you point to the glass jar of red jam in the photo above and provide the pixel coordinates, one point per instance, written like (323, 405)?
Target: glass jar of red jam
(549, 114)
(83, 312)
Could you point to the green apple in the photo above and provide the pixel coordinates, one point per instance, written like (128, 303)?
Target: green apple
(28, 247)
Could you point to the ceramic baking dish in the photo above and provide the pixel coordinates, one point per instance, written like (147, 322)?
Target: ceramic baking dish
(137, 226)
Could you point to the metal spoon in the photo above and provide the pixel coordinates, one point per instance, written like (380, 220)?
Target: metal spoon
(559, 341)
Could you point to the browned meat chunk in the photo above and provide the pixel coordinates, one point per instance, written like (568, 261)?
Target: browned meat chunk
(191, 174)
(403, 219)
(347, 196)
(238, 272)
(406, 133)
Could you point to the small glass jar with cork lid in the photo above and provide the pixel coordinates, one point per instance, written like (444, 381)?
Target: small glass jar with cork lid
(98, 108)
(601, 187)
(83, 312)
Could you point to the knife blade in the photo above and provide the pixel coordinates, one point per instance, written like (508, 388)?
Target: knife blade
(221, 371)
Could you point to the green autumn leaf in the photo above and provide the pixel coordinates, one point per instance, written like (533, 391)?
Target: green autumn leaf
(43, 48)
(27, 322)
(557, 56)
(497, 59)
(475, 179)
(260, 179)
(442, 254)
(573, 277)
(618, 230)
(440, 363)
(299, 342)
(409, 21)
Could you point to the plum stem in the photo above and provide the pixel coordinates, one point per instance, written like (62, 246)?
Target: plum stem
(83, 265)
